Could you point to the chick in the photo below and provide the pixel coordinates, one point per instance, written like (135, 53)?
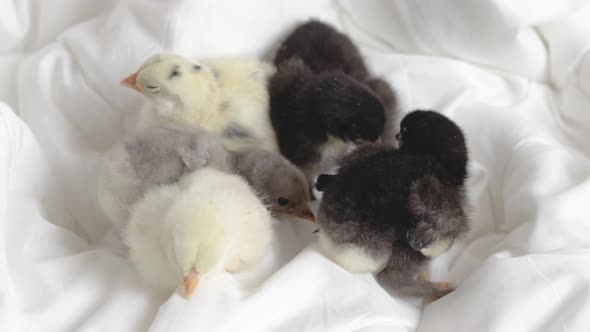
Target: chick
(207, 222)
(283, 186)
(388, 211)
(322, 48)
(224, 95)
(163, 153)
(153, 157)
(319, 117)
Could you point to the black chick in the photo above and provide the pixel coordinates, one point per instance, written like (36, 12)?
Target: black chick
(387, 210)
(323, 48)
(318, 117)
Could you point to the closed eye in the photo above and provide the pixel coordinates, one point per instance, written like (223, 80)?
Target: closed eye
(153, 88)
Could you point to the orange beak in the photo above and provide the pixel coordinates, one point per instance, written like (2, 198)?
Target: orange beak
(131, 82)
(306, 214)
(191, 281)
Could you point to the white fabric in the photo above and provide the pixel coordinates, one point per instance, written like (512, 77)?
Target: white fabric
(514, 74)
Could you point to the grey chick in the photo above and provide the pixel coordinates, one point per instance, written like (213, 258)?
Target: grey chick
(160, 155)
(152, 157)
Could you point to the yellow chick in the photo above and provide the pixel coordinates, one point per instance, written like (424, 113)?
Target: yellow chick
(207, 222)
(223, 95)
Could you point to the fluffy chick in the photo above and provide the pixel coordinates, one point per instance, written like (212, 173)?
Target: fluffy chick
(318, 117)
(283, 186)
(152, 157)
(388, 211)
(323, 48)
(163, 153)
(223, 95)
(207, 222)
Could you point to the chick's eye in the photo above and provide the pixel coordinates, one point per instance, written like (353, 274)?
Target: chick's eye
(153, 88)
(196, 67)
(282, 201)
(174, 72)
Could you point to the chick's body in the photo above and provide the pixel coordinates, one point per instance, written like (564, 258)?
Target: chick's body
(223, 95)
(244, 104)
(322, 48)
(319, 117)
(207, 222)
(162, 154)
(388, 211)
(153, 157)
(373, 213)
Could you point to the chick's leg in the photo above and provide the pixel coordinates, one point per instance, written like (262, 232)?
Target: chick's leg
(402, 274)
(190, 281)
(407, 285)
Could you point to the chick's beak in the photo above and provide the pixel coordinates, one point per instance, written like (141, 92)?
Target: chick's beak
(191, 281)
(306, 214)
(131, 82)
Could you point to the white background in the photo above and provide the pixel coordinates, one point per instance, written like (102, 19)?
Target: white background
(514, 74)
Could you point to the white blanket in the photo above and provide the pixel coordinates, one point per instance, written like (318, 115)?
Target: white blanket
(514, 74)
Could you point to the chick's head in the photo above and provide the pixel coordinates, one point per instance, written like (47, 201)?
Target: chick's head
(350, 110)
(288, 192)
(175, 81)
(283, 186)
(429, 132)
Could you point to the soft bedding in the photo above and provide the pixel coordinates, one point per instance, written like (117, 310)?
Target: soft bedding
(514, 74)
